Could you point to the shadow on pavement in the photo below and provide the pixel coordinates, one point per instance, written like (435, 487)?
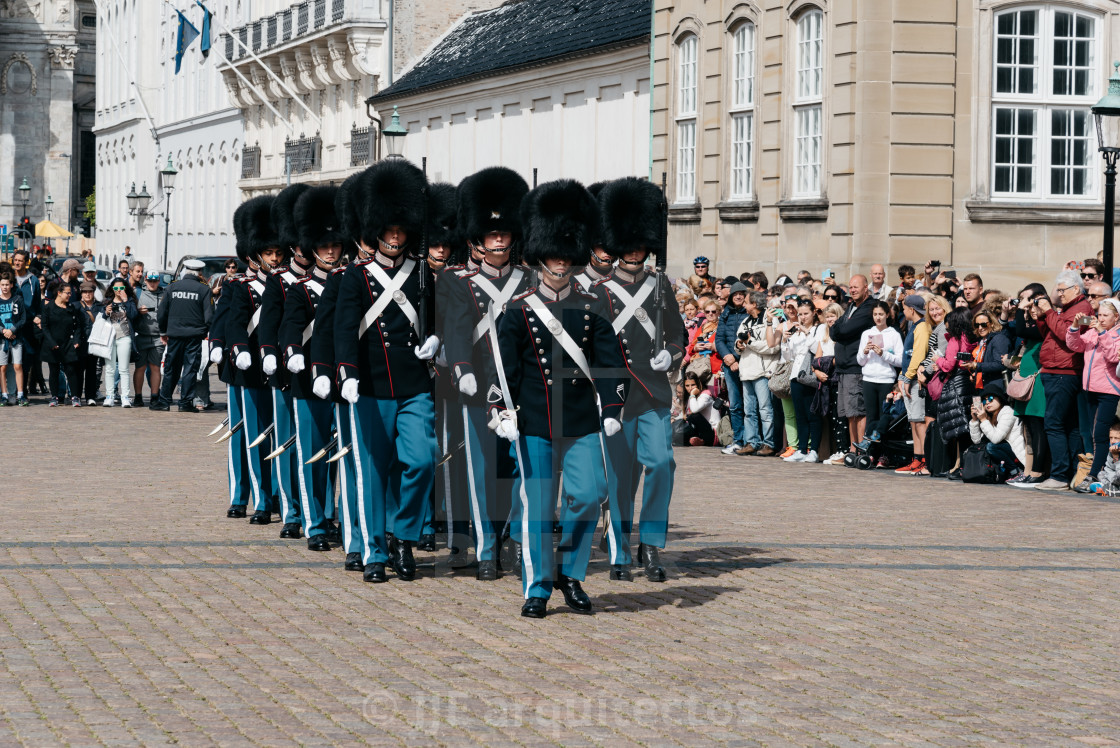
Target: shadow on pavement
(673, 596)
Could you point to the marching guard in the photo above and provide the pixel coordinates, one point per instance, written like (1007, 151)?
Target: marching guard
(601, 264)
(551, 341)
(285, 472)
(320, 237)
(261, 251)
(645, 318)
(383, 352)
(489, 217)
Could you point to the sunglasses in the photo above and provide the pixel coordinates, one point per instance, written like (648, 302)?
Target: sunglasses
(989, 398)
(117, 288)
(699, 266)
(981, 326)
(832, 297)
(1087, 276)
(1098, 296)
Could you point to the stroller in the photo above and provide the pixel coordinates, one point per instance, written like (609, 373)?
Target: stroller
(896, 442)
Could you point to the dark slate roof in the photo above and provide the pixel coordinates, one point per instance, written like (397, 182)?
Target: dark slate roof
(522, 33)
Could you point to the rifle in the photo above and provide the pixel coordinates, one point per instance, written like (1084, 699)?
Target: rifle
(659, 270)
(422, 312)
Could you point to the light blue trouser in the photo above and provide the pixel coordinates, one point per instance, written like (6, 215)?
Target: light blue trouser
(584, 488)
(237, 462)
(256, 410)
(316, 493)
(396, 456)
(643, 441)
(348, 495)
(758, 412)
(283, 469)
(491, 473)
(451, 486)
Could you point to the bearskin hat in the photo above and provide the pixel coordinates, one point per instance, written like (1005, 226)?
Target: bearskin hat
(490, 200)
(632, 216)
(390, 193)
(346, 211)
(255, 232)
(561, 219)
(443, 204)
(314, 215)
(283, 215)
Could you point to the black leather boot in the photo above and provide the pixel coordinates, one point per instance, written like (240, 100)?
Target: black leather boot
(649, 558)
(574, 595)
(403, 562)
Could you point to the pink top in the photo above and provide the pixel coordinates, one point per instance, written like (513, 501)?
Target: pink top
(948, 364)
(1102, 351)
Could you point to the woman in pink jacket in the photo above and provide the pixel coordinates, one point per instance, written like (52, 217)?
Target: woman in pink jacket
(1099, 340)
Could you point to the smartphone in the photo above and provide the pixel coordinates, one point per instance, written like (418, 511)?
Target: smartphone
(977, 402)
(826, 273)
(1084, 320)
(935, 263)
(876, 340)
(962, 356)
(779, 315)
(1014, 303)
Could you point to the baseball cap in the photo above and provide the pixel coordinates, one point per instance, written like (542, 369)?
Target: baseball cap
(915, 301)
(89, 267)
(152, 275)
(71, 264)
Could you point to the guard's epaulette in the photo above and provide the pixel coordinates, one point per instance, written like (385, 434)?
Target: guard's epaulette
(584, 294)
(362, 263)
(525, 295)
(301, 280)
(282, 269)
(342, 269)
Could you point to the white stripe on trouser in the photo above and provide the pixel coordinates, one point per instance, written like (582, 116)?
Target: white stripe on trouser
(476, 510)
(248, 456)
(233, 487)
(284, 500)
(359, 478)
(304, 495)
(344, 498)
(526, 555)
(449, 510)
(611, 542)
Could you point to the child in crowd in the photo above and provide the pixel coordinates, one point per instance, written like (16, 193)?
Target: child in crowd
(1108, 479)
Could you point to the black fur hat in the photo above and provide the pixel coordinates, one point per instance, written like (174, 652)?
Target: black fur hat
(490, 200)
(443, 204)
(632, 217)
(256, 232)
(283, 215)
(346, 211)
(390, 193)
(238, 234)
(561, 220)
(315, 217)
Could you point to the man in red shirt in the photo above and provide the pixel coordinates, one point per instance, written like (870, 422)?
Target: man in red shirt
(1061, 375)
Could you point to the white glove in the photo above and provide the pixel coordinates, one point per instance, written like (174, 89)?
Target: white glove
(244, 360)
(216, 355)
(661, 362)
(504, 424)
(321, 387)
(350, 391)
(468, 385)
(296, 364)
(204, 351)
(428, 349)
(268, 364)
(611, 426)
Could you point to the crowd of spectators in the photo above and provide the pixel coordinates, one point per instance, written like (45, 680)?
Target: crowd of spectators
(934, 375)
(46, 321)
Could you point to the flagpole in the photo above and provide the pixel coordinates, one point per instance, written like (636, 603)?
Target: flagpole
(260, 62)
(260, 94)
(131, 79)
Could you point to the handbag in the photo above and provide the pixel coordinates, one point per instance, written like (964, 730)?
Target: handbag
(935, 385)
(779, 380)
(977, 466)
(700, 365)
(1020, 388)
(101, 337)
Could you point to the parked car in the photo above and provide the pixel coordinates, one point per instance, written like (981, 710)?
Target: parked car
(215, 265)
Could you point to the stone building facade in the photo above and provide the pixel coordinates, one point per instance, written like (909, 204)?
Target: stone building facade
(47, 56)
(805, 134)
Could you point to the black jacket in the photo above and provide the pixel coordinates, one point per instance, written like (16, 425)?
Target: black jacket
(382, 359)
(846, 333)
(218, 327)
(63, 333)
(272, 312)
(244, 300)
(298, 329)
(554, 398)
(185, 309)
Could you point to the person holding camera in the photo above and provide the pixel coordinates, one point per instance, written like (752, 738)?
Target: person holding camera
(879, 355)
(956, 388)
(120, 310)
(1060, 368)
(791, 336)
(758, 360)
(1098, 339)
(994, 421)
(727, 328)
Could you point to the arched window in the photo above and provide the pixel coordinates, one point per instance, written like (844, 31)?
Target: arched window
(1044, 80)
(742, 111)
(687, 95)
(808, 105)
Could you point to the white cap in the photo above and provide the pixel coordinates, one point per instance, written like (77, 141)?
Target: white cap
(89, 267)
(195, 265)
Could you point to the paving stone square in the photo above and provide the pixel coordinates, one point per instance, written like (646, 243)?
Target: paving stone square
(805, 605)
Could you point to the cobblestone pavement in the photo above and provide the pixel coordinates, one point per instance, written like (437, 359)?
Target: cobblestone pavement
(805, 605)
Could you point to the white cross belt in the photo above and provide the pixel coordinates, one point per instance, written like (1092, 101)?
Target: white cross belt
(391, 292)
(632, 306)
(498, 298)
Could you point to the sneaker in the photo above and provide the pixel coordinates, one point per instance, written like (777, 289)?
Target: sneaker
(797, 456)
(882, 464)
(789, 452)
(731, 449)
(1085, 486)
(1052, 484)
(126, 403)
(1017, 478)
(836, 459)
(4, 400)
(1027, 481)
(24, 402)
(810, 456)
(108, 402)
(874, 437)
(864, 444)
(914, 465)
(76, 402)
(53, 402)
(91, 402)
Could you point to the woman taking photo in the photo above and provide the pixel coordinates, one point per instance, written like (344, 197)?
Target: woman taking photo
(956, 389)
(1099, 340)
(799, 350)
(63, 334)
(120, 310)
(701, 414)
(992, 344)
(704, 341)
(1023, 318)
(787, 335)
(879, 355)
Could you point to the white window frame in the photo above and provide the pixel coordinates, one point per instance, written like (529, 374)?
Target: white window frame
(687, 107)
(741, 120)
(1044, 103)
(808, 105)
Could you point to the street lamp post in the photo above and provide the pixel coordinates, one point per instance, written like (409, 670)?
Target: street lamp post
(1106, 112)
(394, 136)
(49, 204)
(168, 172)
(24, 196)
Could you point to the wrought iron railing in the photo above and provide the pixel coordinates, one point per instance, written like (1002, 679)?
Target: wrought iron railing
(286, 17)
(257, 36)
(251, 162)
(338, 10)
(303, 155)
(272, 23)
(228, 38)
(300, 18)
(320, 14)
(359, 146)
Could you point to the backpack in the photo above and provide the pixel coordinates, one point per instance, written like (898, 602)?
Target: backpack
(977, 466)
(937, 453)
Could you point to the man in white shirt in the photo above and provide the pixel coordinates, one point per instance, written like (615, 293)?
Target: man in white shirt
(879, 288)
